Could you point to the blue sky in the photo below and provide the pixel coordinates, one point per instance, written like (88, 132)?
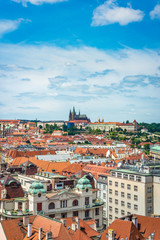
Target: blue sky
(103, 57)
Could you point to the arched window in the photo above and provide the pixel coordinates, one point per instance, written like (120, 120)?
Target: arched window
(51, 205)
(75, 202)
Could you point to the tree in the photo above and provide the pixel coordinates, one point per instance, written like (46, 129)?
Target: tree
(147, 147)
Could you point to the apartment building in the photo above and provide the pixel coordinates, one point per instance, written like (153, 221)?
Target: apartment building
(102, 185)
(133, 190)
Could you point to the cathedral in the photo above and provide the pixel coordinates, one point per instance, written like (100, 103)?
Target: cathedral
(73, 116)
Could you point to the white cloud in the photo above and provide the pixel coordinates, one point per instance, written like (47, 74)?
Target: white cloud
(110, 12)
(37, 2)
(155, 13)
(7, 25)
(89, 78)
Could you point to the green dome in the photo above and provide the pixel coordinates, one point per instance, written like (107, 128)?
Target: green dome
(83, 183)
(36, 187)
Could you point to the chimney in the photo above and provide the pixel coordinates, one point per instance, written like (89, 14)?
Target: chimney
(135, 221)
(40, 234)
(49, 236)
(78, 222)
(74, 227)
(111, 234)
(25, 220)
(29, 230)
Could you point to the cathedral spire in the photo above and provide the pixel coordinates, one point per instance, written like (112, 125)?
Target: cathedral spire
(74, 110)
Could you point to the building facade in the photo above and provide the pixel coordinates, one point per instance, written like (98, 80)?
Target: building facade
(133, 190)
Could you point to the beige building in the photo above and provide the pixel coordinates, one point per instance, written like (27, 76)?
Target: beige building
(133, 190)
(109, 126)
(80, 201)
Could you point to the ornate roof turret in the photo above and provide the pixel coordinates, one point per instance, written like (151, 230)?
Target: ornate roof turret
(36, 187)
(83, 183)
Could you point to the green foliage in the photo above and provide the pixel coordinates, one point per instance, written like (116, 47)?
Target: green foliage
(50, 128)
(152, 127)
(64, 127)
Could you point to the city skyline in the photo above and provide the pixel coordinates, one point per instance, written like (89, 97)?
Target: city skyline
(103, 57)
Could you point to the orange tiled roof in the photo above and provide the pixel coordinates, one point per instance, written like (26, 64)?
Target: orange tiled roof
(148, 225)
(123, 229)
(46, 166)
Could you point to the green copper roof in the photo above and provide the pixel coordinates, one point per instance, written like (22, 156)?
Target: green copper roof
(36, 187)
(83, 183)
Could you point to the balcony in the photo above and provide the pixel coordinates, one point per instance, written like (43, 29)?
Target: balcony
(97, 202)
(15, 213)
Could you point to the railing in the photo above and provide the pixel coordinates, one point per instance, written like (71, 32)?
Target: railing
(16, 213)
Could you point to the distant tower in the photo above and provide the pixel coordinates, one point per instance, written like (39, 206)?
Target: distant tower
(73, 114)
(70, 116)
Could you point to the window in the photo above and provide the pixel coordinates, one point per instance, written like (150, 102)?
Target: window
(125, 176)
(104, 213)
(116, 192)
(75, 202)
(149, 209)
(131, 177)
(110, 182)
(87, 213)
(135, 197)
(138, 178)
(104, 187)
(128, 205)
(110, 208)
(149, 199)
(97, 223)
(110, 191)
(122, 212)
(128, 195)
(63, 215)
(122, 194)
(122, 185)
(135, 207)
(116, 210)
(113, 174)
(122, 203)
(119, 175)
(97, 211)
(149, 189)
(116, 184)
(128, 213)
(128, 186)
(63, 203)
(116, 201)
(86, 200)
(110, 217)
(110, 200)
(75, 214)
(104, 195)
(135, 188)
(51, 205)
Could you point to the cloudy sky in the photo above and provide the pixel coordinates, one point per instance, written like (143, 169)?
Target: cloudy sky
(103, 57)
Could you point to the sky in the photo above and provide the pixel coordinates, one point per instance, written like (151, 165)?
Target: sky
(103, 57)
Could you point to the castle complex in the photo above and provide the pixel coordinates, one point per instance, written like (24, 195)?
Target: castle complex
(73, 116)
